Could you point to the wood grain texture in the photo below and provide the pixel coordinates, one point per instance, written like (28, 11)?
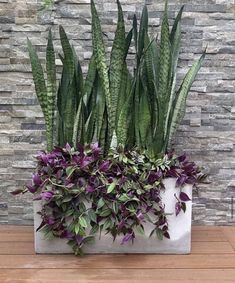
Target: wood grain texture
(117, 275)
(212, 261)
(229, 233)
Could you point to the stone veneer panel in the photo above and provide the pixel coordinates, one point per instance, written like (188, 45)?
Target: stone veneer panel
(207, 132)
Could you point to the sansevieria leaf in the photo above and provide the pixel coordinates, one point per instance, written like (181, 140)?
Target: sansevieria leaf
(181, 96)
(51, 90)
(142, 31)
(40, 88)
(68, 93)
(116, 64)
(175, 39)
(68, 52)
(101, 65)
(38, 78)
(90, 78)
(164, 78)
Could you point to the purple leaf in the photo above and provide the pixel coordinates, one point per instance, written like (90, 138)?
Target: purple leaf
(177, 208)
(182, 158)
(90, 189)
(184, 197)
(181, 181)
(154, 176)
(104, 166)
(172, 172)
(85, 161)
(66, 234)
(96, 150)
(36, 180)
(140, 216)
(167, 235)
(46, 195)
(79, 239)
(50, 221)
(128, 237)
(31, 188)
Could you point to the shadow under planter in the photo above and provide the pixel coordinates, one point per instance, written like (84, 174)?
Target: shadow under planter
(179, 230)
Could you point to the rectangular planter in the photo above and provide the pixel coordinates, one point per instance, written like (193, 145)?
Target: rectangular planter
(179, 230)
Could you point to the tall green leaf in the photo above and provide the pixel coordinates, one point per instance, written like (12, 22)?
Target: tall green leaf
(135, 33)
(124, 90)
(128, 43)
(38, 78)
(145, 118)
(180, 100)
(90, 78)
(51, 90)
(164, 77)
(78, 126)
(100, 59)
(100, 108)
(151, 63)
(142, 31)
(123, 119)
(68, 53)
(116, 64)
(175, 39)
(68, 93)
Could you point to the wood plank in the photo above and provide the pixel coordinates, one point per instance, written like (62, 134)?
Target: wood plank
(117, 275)
(212, 248)
(229, 233)
(6, 236)
(15, 228)
(14, 248)
(208, 236)
(27, 248)
(118, 261)
(206, 228)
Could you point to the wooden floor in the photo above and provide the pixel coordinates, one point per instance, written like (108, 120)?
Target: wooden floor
(212, 260)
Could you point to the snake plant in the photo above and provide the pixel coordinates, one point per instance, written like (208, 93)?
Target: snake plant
(157, 107)
(113, 105)
(46, 92)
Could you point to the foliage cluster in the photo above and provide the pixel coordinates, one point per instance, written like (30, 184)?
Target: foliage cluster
(83, 194)
(113, 105)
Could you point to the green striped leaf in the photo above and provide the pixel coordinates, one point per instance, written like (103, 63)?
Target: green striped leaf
(128, 43)
(150, 69)
(180, 101)
(175, 38)
(100, 108)
(116, 64)
(100, 59)
(68, 52)
(90, 78)
(123, 90)
(123, 120)
(164, 78)
(142, 31)
(135, 33)
(78, 126)
(51, 90)
(38, 78)
(145, 118)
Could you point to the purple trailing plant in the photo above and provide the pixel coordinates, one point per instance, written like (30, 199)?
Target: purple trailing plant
(83, 193)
